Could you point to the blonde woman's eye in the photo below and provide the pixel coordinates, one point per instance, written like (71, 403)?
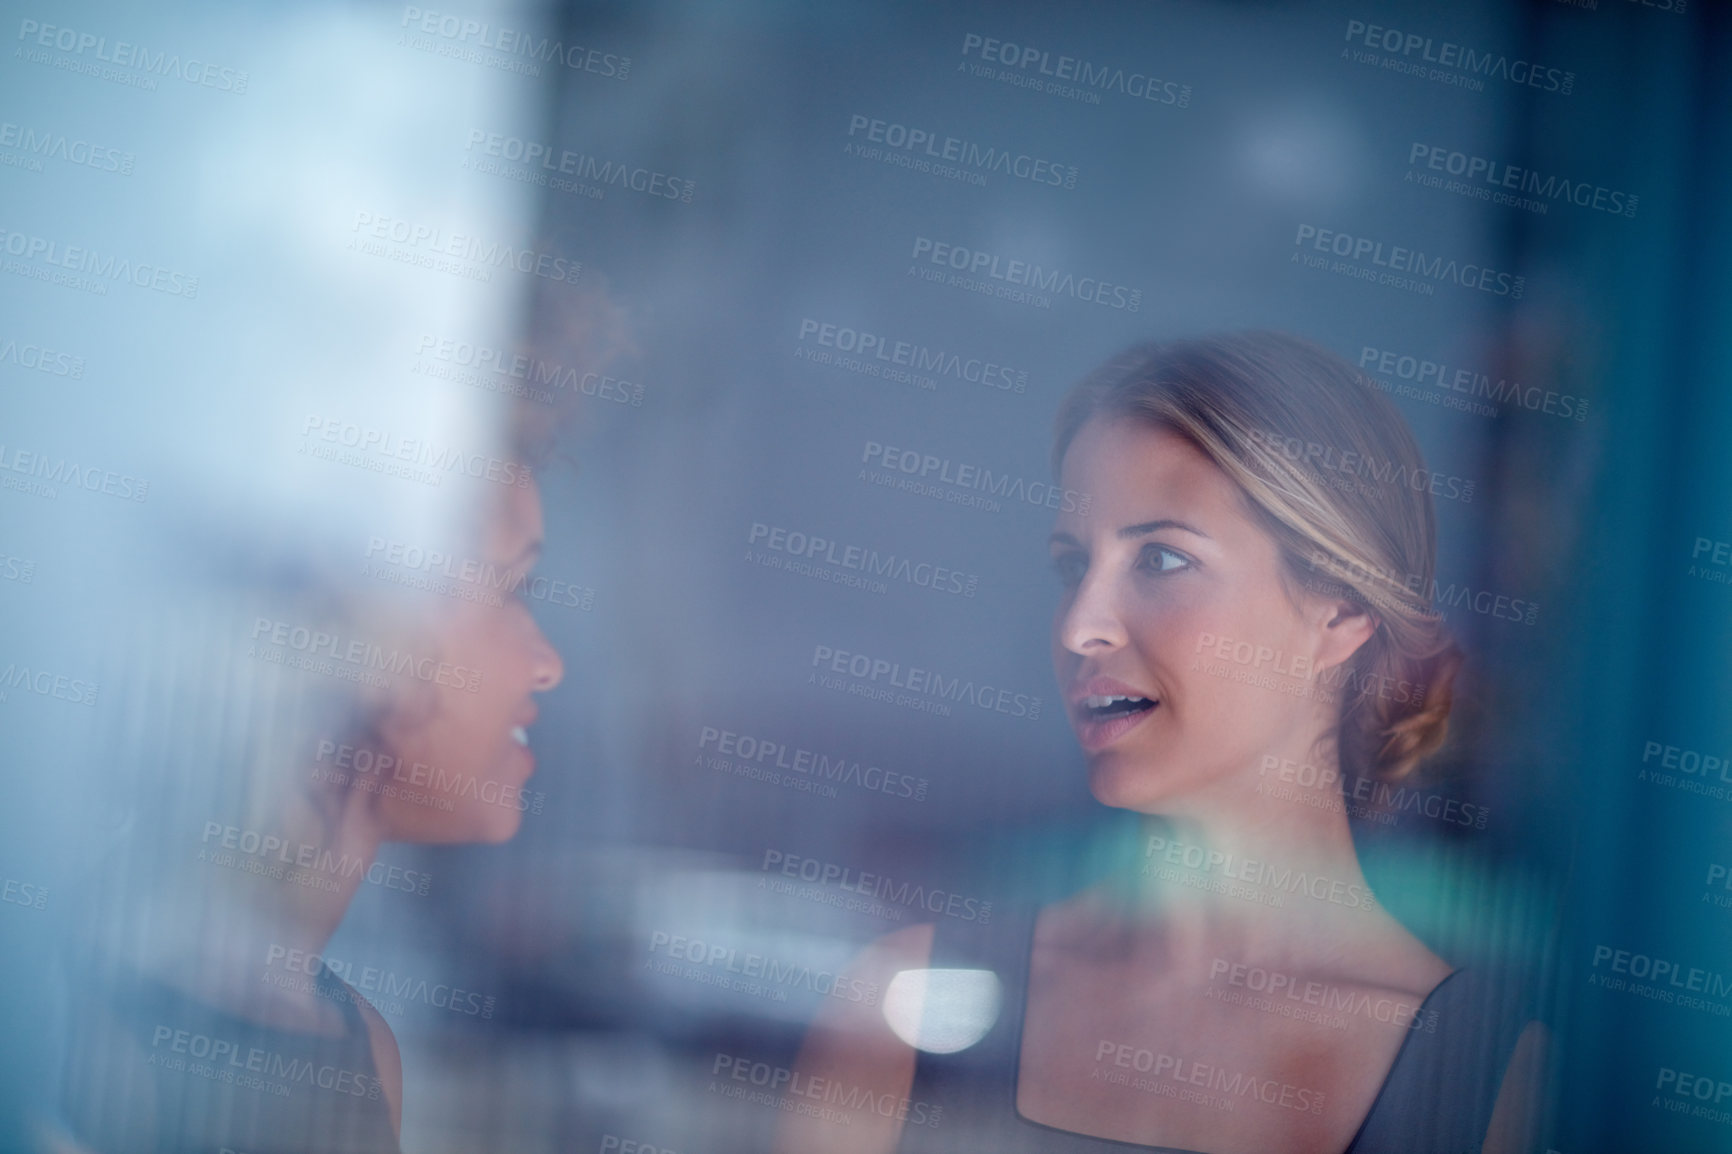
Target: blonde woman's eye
(1160, 559)
(1070, 568)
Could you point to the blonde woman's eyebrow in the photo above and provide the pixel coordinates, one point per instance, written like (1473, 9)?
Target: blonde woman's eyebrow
(1144, 528)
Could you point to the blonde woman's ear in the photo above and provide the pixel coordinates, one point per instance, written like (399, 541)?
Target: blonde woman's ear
(1346, 626)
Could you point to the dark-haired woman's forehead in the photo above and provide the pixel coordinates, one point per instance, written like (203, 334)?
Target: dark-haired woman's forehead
(511, 530)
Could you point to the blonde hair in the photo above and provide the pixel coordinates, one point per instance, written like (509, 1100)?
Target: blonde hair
(1329, 467)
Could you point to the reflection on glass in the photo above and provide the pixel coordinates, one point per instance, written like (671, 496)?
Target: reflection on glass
(304, 715)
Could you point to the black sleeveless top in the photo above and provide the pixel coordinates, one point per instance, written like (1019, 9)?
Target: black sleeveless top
(153, 1070)
(1437, 1098)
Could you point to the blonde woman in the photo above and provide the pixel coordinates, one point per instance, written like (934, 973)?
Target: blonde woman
(1244, 622)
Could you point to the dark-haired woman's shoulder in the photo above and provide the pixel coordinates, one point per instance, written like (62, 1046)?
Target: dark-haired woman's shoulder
(387, 1058)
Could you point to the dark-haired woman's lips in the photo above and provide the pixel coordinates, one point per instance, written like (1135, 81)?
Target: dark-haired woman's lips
(519, 758)
(525, 718)
(520, 740)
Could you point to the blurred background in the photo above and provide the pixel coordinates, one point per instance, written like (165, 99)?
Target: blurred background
(813, 230)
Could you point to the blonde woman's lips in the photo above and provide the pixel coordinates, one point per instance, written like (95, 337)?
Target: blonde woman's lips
(1104, 709)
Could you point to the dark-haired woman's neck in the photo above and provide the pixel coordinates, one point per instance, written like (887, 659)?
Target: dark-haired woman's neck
(244, 932)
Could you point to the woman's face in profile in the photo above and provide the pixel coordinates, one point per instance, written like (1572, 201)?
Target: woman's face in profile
(472, 746)
(1166, 571)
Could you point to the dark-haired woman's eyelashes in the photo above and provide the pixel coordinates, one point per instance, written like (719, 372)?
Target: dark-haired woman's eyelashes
(517, 592)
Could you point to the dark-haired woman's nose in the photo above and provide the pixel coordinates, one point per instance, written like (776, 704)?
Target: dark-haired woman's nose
(547, 669)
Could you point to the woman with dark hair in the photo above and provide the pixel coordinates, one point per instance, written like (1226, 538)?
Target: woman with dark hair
(1245, 622)
(286, 714)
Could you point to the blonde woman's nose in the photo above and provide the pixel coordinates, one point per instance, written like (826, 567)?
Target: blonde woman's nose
(1092, 622)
